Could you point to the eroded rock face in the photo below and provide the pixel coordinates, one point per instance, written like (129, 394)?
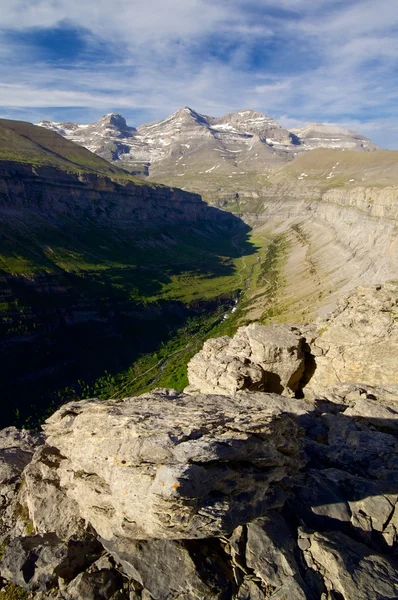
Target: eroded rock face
(170, 466)
(359, 341)
(257, 358)
(332, 532)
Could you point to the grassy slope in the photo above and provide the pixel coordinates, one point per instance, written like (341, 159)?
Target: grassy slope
(378, 168)
(29, 144)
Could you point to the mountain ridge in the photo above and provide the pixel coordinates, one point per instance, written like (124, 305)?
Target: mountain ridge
(149, 148)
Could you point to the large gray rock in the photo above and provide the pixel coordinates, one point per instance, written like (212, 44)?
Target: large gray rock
(270, 553)
(359, 341)
(170, 466)
(257, 358)
(349, 568)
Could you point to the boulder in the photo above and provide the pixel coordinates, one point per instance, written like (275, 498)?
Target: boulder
(171, 466)
(257, 358)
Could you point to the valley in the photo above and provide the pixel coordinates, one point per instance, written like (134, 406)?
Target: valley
(103, 276)
(112, 282)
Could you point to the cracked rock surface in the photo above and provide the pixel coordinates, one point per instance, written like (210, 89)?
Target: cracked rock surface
(358, 342)
(204, 496)
(175, 466)
(256, 358)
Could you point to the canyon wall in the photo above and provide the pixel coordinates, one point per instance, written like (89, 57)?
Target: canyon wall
(51, 192)
(337, 239)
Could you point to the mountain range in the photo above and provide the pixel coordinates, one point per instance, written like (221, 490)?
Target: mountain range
(187, 142)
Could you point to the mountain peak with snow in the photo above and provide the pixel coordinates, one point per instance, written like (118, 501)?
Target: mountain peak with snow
(188, 142)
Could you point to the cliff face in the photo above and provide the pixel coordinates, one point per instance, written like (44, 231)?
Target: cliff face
(53, 193)
(336, 239)
(223, 494)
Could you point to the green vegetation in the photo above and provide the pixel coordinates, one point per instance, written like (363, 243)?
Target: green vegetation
(3, 547)
(21, 512)
(14, 592)
(24, 143)
(87, 308)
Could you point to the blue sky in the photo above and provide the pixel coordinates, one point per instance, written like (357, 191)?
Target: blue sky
(299, 61)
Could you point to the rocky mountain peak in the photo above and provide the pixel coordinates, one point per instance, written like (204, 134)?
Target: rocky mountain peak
(187, 115)
(255, 123)
(116, 121)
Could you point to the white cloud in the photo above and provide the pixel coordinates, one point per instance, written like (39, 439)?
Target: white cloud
(335, 61)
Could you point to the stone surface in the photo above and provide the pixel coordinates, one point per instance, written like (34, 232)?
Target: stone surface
(169, 466)
(257, 358)
(97, 585)
(36, 562)
(49, 507)
(16, 451)
(270, 553)
(359, 341)
(175, 569)
(350, 568)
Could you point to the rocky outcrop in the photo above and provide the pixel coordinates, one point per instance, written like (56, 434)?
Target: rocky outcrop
(358, 342)
(268, 359)
(126, 486)
(247, 496)
(166, 466)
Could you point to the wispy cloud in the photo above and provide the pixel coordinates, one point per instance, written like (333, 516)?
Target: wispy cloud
(302, 60)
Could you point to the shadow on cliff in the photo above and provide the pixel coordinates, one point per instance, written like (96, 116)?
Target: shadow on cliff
(84, 298)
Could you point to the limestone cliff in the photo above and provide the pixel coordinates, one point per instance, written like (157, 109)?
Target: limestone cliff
(54, 193)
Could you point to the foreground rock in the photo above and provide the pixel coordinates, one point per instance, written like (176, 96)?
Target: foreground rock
(168, 465)
(240, 515)
(257, 358)
(253, 496)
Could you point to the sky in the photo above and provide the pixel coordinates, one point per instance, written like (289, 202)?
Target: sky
(298, 61)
